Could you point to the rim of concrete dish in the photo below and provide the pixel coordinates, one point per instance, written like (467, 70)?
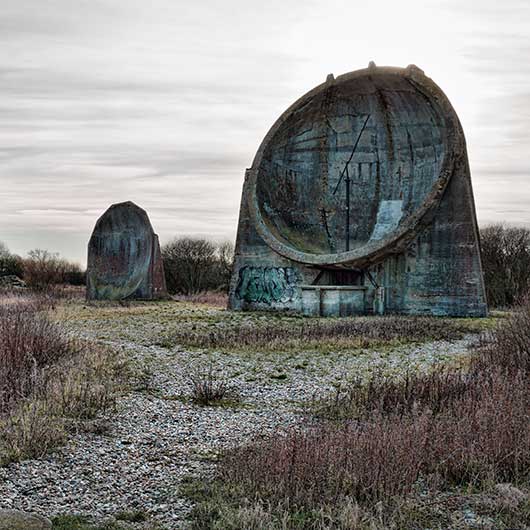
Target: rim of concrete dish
(454, 144)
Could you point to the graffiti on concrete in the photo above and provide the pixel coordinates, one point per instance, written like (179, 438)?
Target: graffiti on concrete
(266, 284)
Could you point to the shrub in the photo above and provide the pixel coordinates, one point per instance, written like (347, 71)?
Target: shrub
(509, 345)
(505, 262)
(74, 275)
(30, 431)
(11, 265)
(196, 265)
(49, 382)
(208, 387)
(81, 387)
(29, 342)
(487, 436)
(379, 393)
(43, 270)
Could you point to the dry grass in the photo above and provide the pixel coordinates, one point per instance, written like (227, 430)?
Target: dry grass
(49, 382)
(502, 354)
(29, 431)
(480, 438)
(392, 439)
(314, 333)
(29, 343)
(508, 346)
(379, 393)
(212, 298)
(209, 387)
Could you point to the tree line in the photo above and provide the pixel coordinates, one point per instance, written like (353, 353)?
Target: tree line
(195, 265)
(41, 269)
(191, 266)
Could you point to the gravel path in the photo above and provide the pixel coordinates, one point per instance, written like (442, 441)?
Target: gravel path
(156, 438)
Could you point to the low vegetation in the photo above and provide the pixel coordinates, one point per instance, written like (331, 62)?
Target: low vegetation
(209, 387)
(388, 449)
(119, 522)
(211, 298)
(390, 453)
(29, 342)
(508, 346)
(306, 333)
(50, 383)
(207, 326)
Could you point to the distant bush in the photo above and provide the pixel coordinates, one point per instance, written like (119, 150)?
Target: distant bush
(196, 265)
(10, 264)
(42, 270)
(506, 262)
(508, 347)
(74, 275)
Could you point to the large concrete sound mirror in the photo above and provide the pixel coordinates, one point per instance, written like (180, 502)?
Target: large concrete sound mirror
(124, 260)
(359, 201)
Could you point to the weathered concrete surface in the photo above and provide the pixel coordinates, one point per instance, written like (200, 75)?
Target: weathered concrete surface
(363, 181)
(124, 260)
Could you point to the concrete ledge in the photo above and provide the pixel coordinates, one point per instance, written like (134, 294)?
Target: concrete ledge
(335, 287)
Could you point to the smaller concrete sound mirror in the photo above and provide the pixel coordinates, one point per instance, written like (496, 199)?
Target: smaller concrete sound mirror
(359, 200)
(124, 260)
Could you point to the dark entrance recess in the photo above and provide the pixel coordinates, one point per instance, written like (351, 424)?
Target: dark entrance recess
(331, 276)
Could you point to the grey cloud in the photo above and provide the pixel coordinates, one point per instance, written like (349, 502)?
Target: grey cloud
(166, 102)
(50, 18)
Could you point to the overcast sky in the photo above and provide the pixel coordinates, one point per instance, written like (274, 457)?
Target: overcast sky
(164, 102)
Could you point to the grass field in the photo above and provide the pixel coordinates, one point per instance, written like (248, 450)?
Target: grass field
(195, 387)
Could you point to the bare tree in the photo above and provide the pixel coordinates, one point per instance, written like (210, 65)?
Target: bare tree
(225, 259)
(42, 269)
(195, 265)
(188, 264)
(10, 264)
(506, 263)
